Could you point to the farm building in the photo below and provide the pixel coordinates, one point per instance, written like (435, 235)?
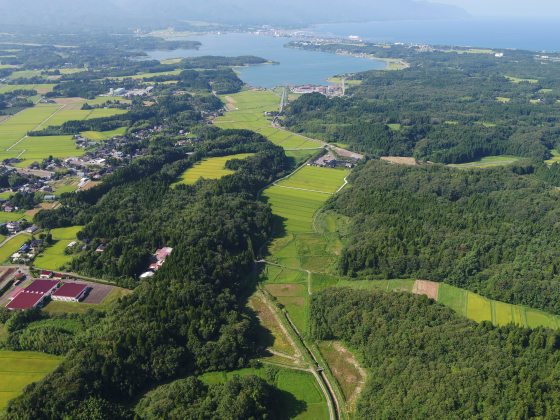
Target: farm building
(33, 295)
(161, 254)
(46, 275)
(25, 300)
(42, 287)
(70, 292)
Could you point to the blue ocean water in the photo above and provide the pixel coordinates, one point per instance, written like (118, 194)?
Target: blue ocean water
(539, 34)
(297, 67)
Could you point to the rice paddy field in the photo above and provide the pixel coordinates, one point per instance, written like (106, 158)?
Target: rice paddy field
(102, 112)
(212, 168)
(20, 368)
(15, 128)
(10, 217)
(103, 135)
(301, 397)
(316, 179)
(293, 209)
(38, 148)
(249, 119)
(53, 257)
(12, 246)
(67, 234)
(63, 116)
(251, 99)
(555, 156)
(288, 140)
(501, 160)
(518, 80)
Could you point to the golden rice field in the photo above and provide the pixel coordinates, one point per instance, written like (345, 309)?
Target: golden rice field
(18, 369)
(212, 168)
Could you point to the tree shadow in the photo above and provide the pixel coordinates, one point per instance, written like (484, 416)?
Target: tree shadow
(291, 406)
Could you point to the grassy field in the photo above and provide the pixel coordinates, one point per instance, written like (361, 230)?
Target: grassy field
(555, 156)
(478, 308)
(293, 209)
(340, 364)
(65, 189)
(103, 135)
(12, 246)
(317, 179)
(53, 257)
(102, 112)
(296, 157)
(501, 99)
(394, 126)
(18, 369)
(250, 119)
(16, 128)
(10, 217)
(38, 148)
(301, 395)
(63, 116)
(251, 99)
(453, 297)
(66, 234)
(503, 159)
(56, 307)
(518, 80)
(212, 168)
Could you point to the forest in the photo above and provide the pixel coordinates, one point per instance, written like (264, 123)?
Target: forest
(493, 231)
(426, 362)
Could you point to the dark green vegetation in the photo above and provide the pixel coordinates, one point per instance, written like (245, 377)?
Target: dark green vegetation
(492, 231)
(439, 88)
(426, 362)
(247, 397)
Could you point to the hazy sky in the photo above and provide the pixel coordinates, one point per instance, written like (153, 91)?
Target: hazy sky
(545, 8)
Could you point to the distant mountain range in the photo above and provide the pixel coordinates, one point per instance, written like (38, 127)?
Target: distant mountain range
(128, 13)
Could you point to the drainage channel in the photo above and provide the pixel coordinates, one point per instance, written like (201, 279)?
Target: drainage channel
(319, 371)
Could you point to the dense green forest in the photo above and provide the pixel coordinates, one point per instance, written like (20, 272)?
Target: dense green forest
(426, 362)
(493, 231)
(446, 105)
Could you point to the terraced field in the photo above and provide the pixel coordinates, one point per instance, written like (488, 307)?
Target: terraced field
(316, 179)
(19, 369)
(212, 168)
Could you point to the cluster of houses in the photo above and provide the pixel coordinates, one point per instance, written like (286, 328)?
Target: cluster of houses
(50, 284)
(157, 261)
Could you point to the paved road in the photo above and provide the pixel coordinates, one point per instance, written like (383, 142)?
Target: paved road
(19, 268)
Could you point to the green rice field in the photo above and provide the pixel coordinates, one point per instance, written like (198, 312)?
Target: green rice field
(212, 168)
(288, 140)
(316, 179)
(67, 234)
(249, 119)
(555, 156)
(12, 246)
(502, 160)
(301, 396)
(20, 368)
(251, 99)
(63, 116)
(15, 128)
(10, 217)
(518, 80)
(53, 257)
(38, 148)
(102, 112)
(103, 135)
(293, 209)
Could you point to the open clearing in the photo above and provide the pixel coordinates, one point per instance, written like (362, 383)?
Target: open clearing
(555, 156)
(316, 179)
(428, 288)
(20, 368)
(251, 99)
(212, 168)
(400, 160)
(518, 80)
(490, 160)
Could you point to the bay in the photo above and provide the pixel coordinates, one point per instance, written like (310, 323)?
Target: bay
(539, 34)
(297, 67)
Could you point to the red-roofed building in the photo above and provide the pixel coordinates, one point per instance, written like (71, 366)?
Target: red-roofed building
(46, 274)
(58, 276)
(25, 301)
(70, 292)
(161, 254)
(42, 287)
(17, 292)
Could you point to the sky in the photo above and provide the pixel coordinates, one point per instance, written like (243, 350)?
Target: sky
(545, 8)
